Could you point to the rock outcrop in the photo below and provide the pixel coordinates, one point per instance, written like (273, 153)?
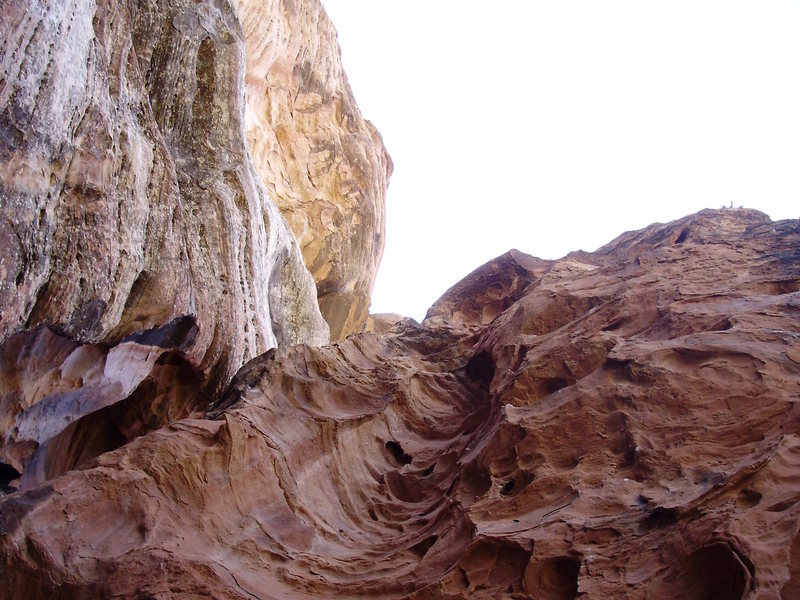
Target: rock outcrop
(323, 164)
(622, 423)
(137, 241)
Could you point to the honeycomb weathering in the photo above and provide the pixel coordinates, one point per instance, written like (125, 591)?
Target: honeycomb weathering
(621, 423)
(627, 425)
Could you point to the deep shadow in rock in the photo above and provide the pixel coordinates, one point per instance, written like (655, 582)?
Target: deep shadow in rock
(169, 393)
(713, 572)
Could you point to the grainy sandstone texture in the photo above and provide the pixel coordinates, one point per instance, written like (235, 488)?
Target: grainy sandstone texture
(136, 236)
(323, 164)
(616, 424)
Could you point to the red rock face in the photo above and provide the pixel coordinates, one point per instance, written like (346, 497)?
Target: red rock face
(615, 424)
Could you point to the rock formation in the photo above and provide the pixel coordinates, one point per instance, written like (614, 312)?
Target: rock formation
(137, 239)
(323, 164)
(621, 423)
(616, 424)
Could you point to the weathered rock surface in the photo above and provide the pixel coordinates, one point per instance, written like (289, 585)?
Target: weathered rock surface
(616, 424)
(136, 237)
(323, 164)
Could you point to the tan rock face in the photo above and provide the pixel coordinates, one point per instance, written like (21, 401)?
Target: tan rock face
(136, 234)
(325, 166)
(625, 425)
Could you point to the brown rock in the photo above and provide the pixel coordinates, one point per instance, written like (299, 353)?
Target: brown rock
(626, 426)
(382, 322)
(136, 233)
(323, 164)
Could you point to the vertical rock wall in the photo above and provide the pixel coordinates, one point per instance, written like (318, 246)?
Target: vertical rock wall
(325, 166)
(136, 234)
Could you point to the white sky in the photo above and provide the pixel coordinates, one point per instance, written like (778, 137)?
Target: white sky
(555, 126)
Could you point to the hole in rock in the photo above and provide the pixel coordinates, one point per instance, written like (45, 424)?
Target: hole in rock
(463, 580)
(428, 471)
(521, 354)
(714, 572)
(614, 325)
(554, 579)
(748, 498)
(138, 289)
(682, 236)
(421, 549)
(7, 475)
(723, 324)
(516, 484)
(659, 517)
(781, 506)
(480, 368)
(178, 331)
(711, 478)
(473, 481)
(551, 385)
(397, 454)
(623, 369)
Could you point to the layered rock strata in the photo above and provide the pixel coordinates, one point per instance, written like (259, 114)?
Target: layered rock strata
(137, 239)
(616, 424)
(323, 164)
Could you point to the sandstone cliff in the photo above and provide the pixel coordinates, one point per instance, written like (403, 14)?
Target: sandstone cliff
(616, 424)
(621, 423)
(323, 164)
(139, 249)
